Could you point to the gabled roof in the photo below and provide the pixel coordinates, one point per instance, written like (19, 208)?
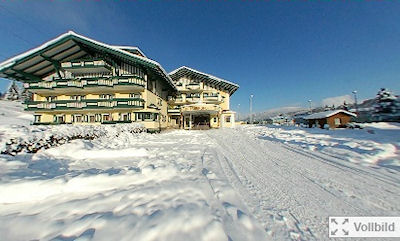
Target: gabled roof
(218, 82)
(326, 114)
(131, 49)
(42, 61)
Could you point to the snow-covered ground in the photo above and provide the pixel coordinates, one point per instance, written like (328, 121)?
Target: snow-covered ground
(248, 183)
(377, 144)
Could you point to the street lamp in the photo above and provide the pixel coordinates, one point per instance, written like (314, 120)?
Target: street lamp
(355, 100)
(251, 109)
(238, 110)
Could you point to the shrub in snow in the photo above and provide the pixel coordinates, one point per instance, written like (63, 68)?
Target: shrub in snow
(44, 137)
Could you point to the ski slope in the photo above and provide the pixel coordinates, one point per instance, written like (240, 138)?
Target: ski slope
(248, 183)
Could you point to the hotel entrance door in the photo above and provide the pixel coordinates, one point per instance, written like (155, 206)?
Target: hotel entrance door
(201, 122)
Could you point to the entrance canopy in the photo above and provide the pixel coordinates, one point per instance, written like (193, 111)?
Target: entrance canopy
(200, 109)
(46, 59)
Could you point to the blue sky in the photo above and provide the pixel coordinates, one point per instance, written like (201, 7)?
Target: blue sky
(283, 52)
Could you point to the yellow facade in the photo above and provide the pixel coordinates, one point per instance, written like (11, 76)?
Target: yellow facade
(198, 104)
(78, 80)
(101, 104)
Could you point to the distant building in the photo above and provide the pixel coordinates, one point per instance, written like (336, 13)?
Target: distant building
(332, 118)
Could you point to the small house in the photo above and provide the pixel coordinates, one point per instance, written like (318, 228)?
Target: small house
(332, 118)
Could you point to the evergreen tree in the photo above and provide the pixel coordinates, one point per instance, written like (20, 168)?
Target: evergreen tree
(386, 102)
(25, 95)
(345, 106)
(12, 92)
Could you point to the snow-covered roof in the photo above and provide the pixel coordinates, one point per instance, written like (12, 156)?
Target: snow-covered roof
(325, 114)
(131, 49)
(186, 71)
(39, 62)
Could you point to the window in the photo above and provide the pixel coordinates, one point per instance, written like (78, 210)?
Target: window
(228, 119)
(106, 117)
(51, 98)
(124, 116)
(59, 118)
(77, 97)
(134, 95)
(140, 117)
(92, 118)
(37, 118)
(77, 118)
(193, 95)
(106, 96)
(215, 119)
(337, 121)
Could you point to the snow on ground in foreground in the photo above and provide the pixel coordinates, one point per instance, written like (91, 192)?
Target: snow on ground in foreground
(248, 183)
(376, 145)
(121, 186)
(130, 187)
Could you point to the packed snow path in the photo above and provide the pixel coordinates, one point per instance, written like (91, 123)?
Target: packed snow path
(292, 191)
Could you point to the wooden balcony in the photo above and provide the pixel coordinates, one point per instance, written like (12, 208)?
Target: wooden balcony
(114, 103)
(212, 99)
(61, 85)
(87, 67)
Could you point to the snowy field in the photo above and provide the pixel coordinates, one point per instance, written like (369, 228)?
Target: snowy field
(248, 183)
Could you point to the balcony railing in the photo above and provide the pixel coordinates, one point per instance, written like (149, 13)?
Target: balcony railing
(173, 99)
(193, 99)
(212, 98)
(174, 109)
(193, 86)
(85, 104)
(89, 82)
(88, 66)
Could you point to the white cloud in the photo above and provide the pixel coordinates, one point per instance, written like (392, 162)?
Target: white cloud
(337, 100)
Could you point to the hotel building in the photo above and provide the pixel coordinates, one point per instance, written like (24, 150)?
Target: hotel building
(78, 80)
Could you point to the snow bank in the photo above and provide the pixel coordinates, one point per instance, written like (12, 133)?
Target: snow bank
(376, 145)
(17, 135)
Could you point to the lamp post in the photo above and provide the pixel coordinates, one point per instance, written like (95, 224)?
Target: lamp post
(238, 110)
(251, 109)
(310, 101)
(355, 100)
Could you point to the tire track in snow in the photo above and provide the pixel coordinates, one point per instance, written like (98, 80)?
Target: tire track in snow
(347, 180)
(289, 192)
(232, 212)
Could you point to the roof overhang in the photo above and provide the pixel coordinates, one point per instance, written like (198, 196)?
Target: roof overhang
(131, 49)
(39, 62)
(210, 79)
